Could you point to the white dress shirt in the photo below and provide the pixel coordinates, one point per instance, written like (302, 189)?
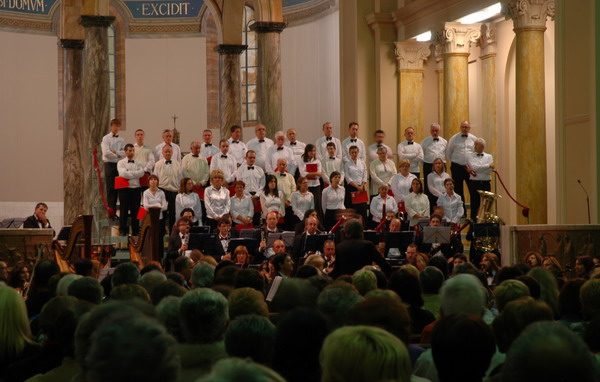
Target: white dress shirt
(349, 142)
(321, 145)
(286, 185)
(411, 151)
(260, 148)
(238, 150)
(112, 148)
(252, 176)
(241, 207)
(453, 207)
(216, 202)
(330, 165)
(195, 168)
(433, 149)
(169, 174)
(302, 167)
(481, 164)
(460, 148)
(376, 207)
(435, 183)
(381, 173)
(416, 204)
(373, 151)
(176, 152)
(272, 202)
(144, 156)
(225, 163)
(274, 153)
(297, 148)
(401, 185)
(333, 198)
(131, 171)
(355, 172)
(190, 200)
(158, 199)
(207, 150)
(302, 203)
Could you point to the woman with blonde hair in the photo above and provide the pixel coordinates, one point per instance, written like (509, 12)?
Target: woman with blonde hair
(187, 198)
(216, 199)
(364, 353)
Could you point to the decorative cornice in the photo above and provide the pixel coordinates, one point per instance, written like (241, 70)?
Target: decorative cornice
(458, 37)
(411, 54)
(96, 21)
(438, 51)
(155, 28)
(267, 26)
(529, 14)
(20, 23)
(67, 43)
(487, 41)
(231, 49)
(375, 20)
(308, 11)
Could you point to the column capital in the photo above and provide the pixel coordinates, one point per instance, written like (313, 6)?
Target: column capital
(411, 54)
(230, 49)
(529, 14)
(75, 44)
(457, 37)
(267, 26)
(487, 41)
(96, 21)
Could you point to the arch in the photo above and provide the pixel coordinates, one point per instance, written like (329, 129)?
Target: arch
(268, 10)
(212, 7)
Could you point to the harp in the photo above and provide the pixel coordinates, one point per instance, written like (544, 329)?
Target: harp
(81, 228)
(148, 245)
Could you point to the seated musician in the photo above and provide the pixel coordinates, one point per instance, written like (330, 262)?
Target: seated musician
(301, 226)
(329, 255)
(269, 227)
(299, 251)
(178, 241)
(382, 205)
(440, 249)
(38, 219)
(452, 203)
(242, 208)
(187, 214)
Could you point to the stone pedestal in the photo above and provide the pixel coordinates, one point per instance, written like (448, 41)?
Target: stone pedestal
(410, 56)
(96, 106)
(270, 112)
(73, 179)
(230, 98)
(529, 19)
(488, 80)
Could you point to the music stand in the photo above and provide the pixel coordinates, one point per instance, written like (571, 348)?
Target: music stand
(399, 240)
(200, 229)
(372, 236)
(287, 237)
(315, 243)
(64, 233)
(252, 233)
(207, 243)
(250, 244)
(440, 235)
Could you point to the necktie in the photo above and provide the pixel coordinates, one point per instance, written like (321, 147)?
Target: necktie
(279, 148)
(115, 135)
(235, 141)
(261, 141)
(195, 155)
(282, 174)
(464, 135)
(379, 145)
(130, 161)
(167, 162)
(292, 143)
(436, 139)
(479, 155)
(250, 167)
(410, 142)
(328, 138)
(331, 158)
(353, 140)
(383, 209)
(207, 144)
(224, 156)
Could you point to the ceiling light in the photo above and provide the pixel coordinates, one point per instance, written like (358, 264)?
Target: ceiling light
(423, 37)
(484, 14)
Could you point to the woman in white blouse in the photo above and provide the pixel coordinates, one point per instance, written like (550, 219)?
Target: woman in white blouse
(333, 200)
(377, 209)
(451, 202)
(311, 169)
(435, 181)
(357, 177)
(400, 183)
(216, 199)
(242, 208)
(271, 199)
(186, 198)
(417, 203)
(155, 197)
(382, 170)
(302, 199)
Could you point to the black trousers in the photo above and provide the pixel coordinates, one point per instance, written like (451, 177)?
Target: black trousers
(460, 176)
(129, 202)
(427, 168)
(110, 173)
(170, 217)
(317, 191)
(475, 185)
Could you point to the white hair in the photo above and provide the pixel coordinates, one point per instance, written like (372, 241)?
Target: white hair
(480, 140)
(463, 294)
(280, 133)
(65, 281)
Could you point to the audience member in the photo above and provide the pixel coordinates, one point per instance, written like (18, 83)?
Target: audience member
(251, 336)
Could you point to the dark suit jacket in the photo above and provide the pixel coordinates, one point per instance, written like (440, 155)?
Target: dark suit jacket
(174, 245)
(32, 222)
(353, 254)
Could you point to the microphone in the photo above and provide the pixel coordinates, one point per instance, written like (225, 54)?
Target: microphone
(587, 198)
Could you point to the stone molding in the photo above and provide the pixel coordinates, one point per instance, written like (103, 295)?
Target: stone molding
(308, 11)
(458, 37)
(231, 48)
(529, 14)
(67, 43)
(97, 21)
(411, 54)
(487, 41)
(267, 26)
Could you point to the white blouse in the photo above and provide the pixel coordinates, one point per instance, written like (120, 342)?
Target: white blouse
(302, 203)
(381, 173)
(401, 185)
(190, 200)
(453, 207)
(376, 207)
(271, 202)
(302, 168)
(416, 204)
(216, 202)
(333, 198)
(355, 171)
(241, 207)
(435, 183)
(157, 199)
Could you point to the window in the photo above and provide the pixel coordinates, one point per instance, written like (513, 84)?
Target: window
(112, 71)
(249, 69)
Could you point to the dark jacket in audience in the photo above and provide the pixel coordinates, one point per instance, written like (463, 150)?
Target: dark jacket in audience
(353, 254)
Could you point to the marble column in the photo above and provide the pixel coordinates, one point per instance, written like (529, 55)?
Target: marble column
(438, 50)
(230, 97)
(96, 115)
(410, 56)
(487, 43)
(270, 112)
(529, 21)
(72, 128)
(457, 39)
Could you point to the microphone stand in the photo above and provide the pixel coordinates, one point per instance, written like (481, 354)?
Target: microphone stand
(587, 198)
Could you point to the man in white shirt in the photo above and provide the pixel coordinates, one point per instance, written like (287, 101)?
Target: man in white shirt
(379, 137)
(279, 151)
(224, 162)
(260, 144)
(460, 148)
(130, 196)
(411, 150)
(251, 174)
(167, 136)
(353, 140)
(144, 156)
(168, 171)
(237, 148)
(195, 167)
(295, 145)
(434, 147)
(332, 163)
(208, 149)
(327, 137)
(112, 151)
(480, 167)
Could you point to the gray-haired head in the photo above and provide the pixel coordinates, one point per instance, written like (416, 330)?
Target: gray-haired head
(463, 294)
(204, 316)
(202, 275)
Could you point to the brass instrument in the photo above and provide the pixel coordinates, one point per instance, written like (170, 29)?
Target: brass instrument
(82, 225)
(484, 215)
